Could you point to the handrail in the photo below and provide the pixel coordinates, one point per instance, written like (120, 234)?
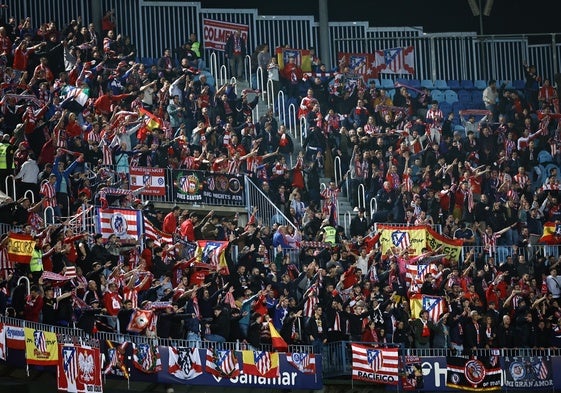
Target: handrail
(223, 74)
(28, 283)
(303, 126)
(234, 82)
(31, 198)
(52, 210)
(361, 196)
(247, 68)
(270, 94)
(14, 196)
(338, 171)
(213, 66)
(267, 210)
(292, 125)
(281, 108)
(373, 207)
(347, 221)
(260, 84)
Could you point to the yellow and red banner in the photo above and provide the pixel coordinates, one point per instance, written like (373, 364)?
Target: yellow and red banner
(415, 238)
(213, 252)
(301, 56)
(551, 233)
(41, 348)
(20, 247)
(261, 363)
(451, 247)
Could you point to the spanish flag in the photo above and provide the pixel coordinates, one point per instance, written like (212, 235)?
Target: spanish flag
(41, 348)
(151, 122)
(302, 57)
(278, 342)
(551, 233)
(261, 363)
(20, 247)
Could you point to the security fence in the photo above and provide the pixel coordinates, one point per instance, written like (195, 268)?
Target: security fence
(154, 26)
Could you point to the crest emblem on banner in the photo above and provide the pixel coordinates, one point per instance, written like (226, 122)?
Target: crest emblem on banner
(374, 359)
(401, 239)
(119, 224)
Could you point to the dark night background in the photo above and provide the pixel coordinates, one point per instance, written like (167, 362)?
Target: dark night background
(507, 16)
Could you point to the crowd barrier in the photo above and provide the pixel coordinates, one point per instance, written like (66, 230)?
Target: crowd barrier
(158, 360)
(433, 364)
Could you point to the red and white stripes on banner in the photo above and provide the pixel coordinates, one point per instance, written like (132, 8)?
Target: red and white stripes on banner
(415, 275)
(125, 223)
(160, 237)
(378, 365)
(395, 61)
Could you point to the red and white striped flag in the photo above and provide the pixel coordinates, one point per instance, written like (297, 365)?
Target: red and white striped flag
(396, 61)
(125, 223)
(415, 275)
(378, 365)
(160, 237)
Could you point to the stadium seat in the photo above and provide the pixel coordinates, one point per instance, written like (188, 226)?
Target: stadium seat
(454, 84)
(466, 84)
(464, 96)
(427, 83)
(391, 93)
(445, 107)
(376, 82)
(508, 84)
(476, 97)
(480, 84)
(518, 84)
(415, 83)
(387, 84)
(441, 84)
(437, 95)
(451, 96)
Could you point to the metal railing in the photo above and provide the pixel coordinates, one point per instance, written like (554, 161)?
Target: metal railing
(138, 339)
(13, 188)
(268, 213)
(436, 227)
(338, 175)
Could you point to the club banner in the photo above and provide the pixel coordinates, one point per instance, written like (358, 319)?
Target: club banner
(153, 177)
(379, 365)
(395, 61)
(184, 363)
(79, 369)
(451, 247)
(20, 247)
(15, 337)
(216, 33)
(3, 347)
(41, 348)
(146, 357)
(526, 372)
(125, 223)
(435, 305)
(479, 373)
(301, 56)
(188, 186)
(223, 189)
(116, 359)
(413, 238)
(225, 369)
(357, 63)
(412, 377)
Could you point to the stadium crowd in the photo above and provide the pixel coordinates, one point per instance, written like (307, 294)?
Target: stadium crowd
(74, 113)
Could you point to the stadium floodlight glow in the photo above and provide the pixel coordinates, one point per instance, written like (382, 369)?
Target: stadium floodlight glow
(488, 7)
(474, 7)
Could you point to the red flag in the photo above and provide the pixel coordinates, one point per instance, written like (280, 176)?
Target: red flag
(140, 320)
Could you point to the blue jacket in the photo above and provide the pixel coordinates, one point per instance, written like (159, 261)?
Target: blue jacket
(66, 173)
